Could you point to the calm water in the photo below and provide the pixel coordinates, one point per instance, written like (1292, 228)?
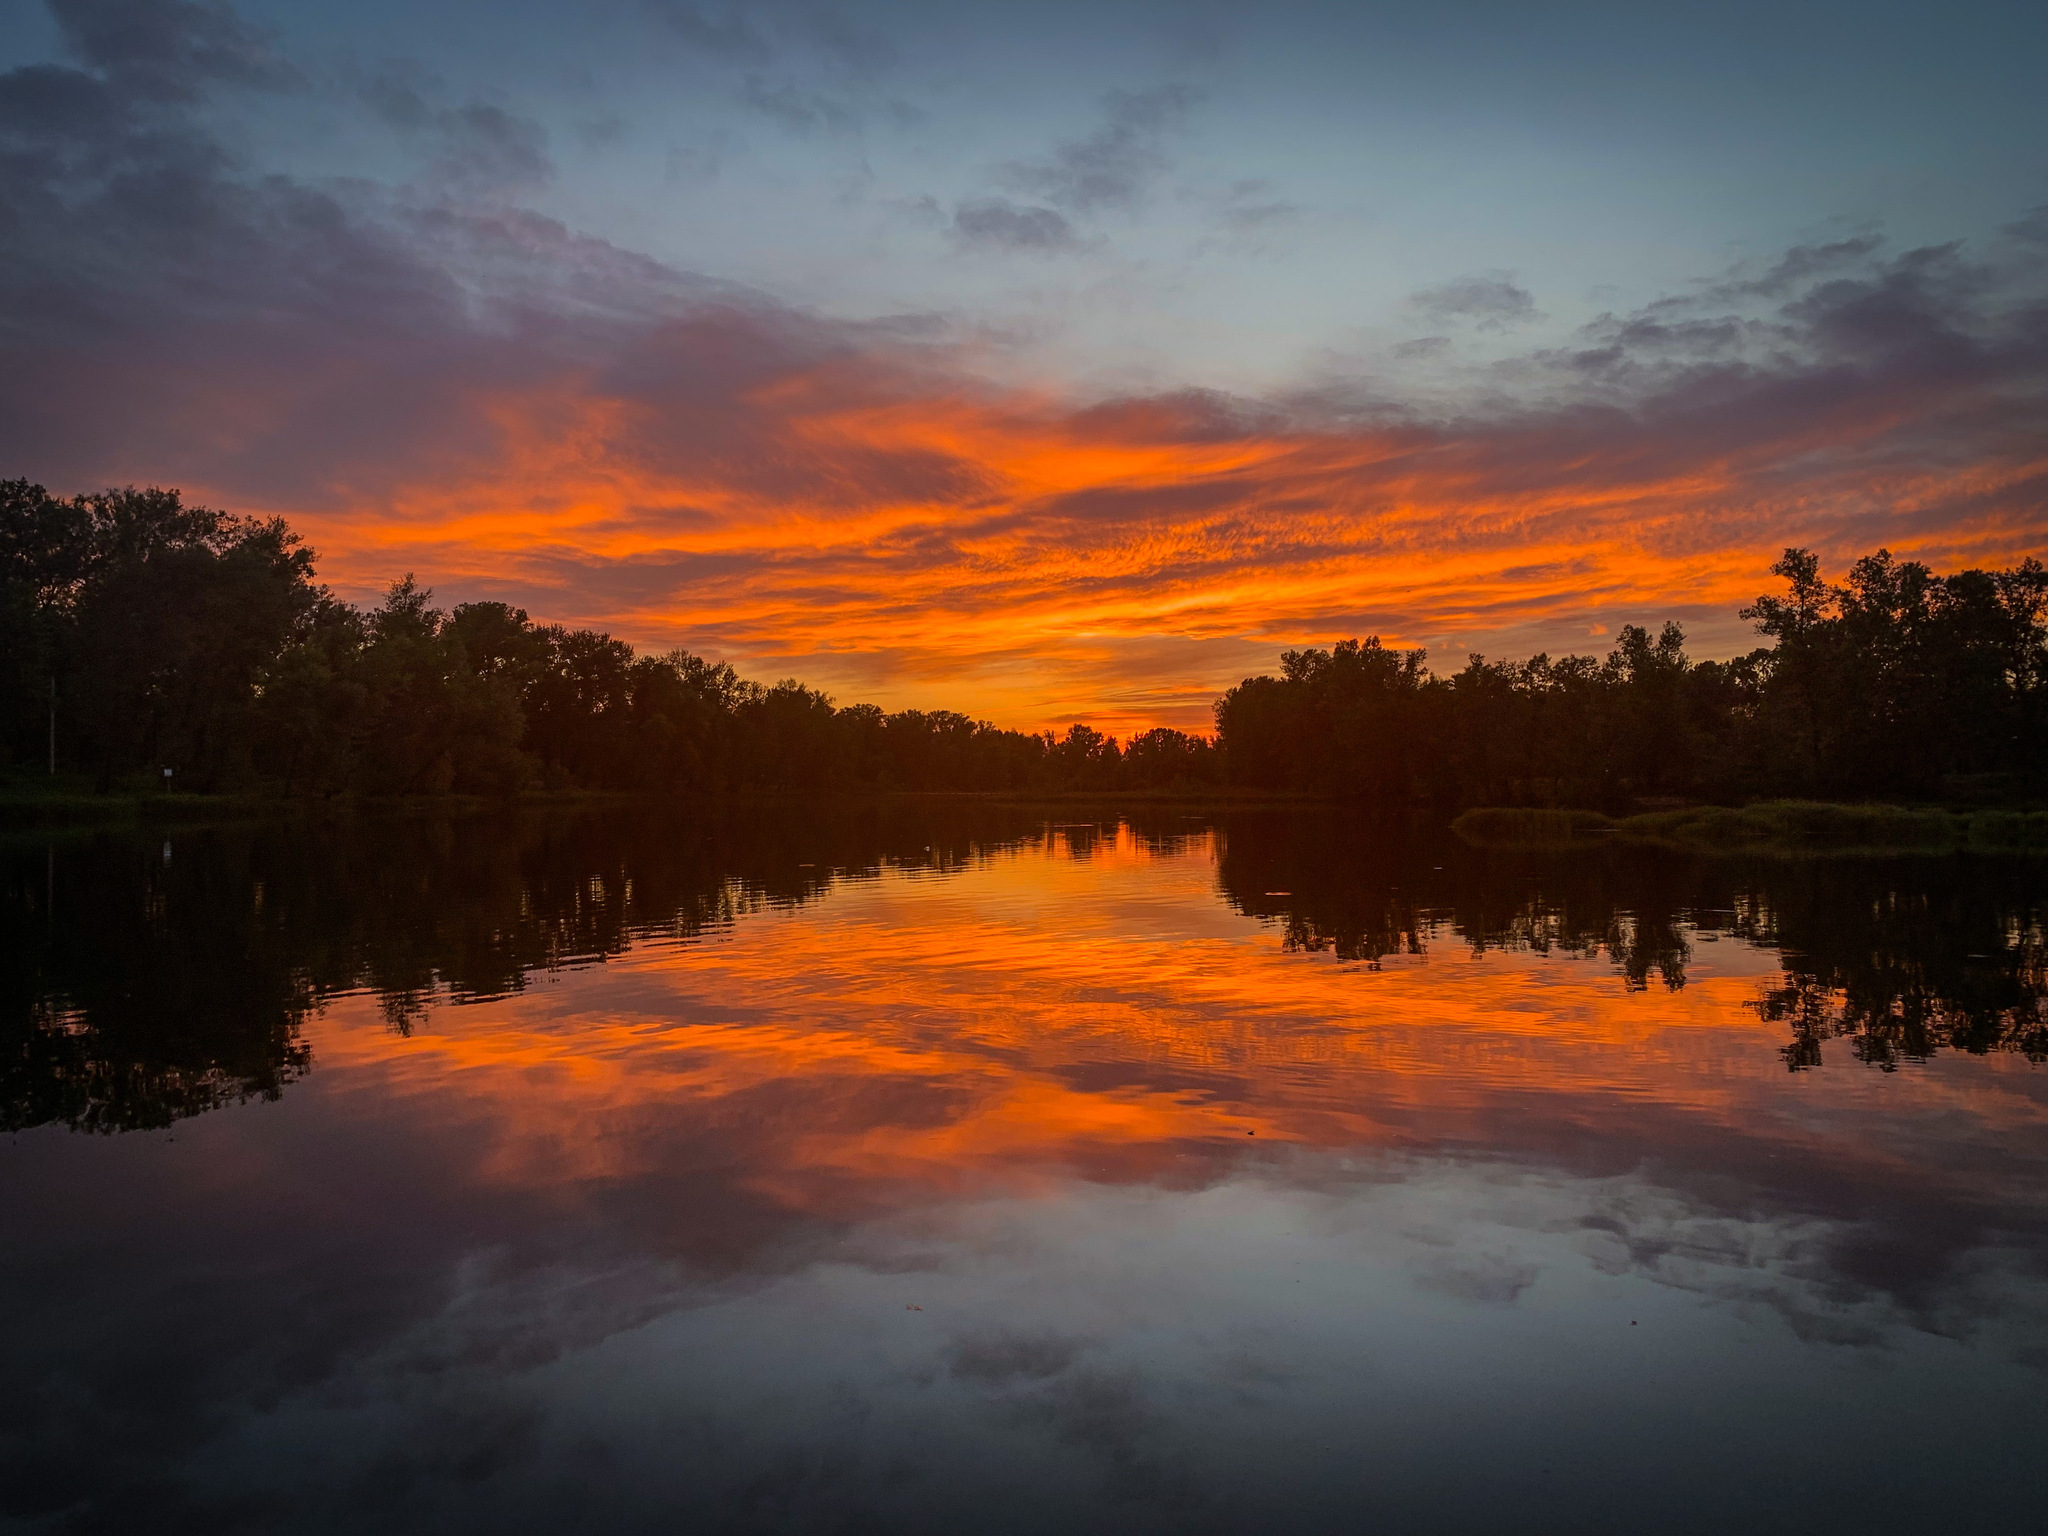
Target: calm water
(913, 1170)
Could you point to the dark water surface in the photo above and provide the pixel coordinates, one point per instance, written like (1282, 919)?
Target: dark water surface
(958, 1169)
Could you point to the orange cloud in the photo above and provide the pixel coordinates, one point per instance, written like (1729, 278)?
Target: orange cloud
(858, 506)
(1005, 553)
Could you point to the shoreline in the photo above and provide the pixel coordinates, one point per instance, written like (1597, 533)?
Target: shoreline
(1772, 828)
(79, 808)
(1769, 828)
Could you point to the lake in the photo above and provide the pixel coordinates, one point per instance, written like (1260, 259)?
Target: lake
(953, 1167)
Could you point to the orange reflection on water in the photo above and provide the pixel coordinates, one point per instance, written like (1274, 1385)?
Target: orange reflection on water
(1043, 1016)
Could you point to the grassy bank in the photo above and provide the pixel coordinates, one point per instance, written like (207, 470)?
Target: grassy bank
(61, 804)
(42, 804)
(36, 803)
(1780, 827)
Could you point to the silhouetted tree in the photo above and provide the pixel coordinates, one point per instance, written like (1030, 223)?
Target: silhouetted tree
(1900, 682)
(155, 620)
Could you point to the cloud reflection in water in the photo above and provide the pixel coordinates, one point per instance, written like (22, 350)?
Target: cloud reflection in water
(921, 1168)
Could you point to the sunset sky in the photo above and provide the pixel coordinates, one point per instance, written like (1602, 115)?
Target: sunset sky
(1048, 361)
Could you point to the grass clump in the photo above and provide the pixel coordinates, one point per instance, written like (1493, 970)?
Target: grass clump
(1774, 827)
(1792, 826)
(2009, 832)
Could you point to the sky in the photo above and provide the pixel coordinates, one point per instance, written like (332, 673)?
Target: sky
(1049, 362)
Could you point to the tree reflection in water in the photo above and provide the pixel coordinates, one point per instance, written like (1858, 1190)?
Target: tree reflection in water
(148, 980)
(144, 984)
(1903, 957)
(938, 1204)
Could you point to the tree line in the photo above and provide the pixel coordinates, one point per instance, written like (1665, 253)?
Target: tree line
(1897, 683)
(173, 636)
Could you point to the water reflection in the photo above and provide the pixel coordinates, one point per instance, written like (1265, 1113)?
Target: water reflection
(142, 989)
(904, 1169)
(1904, 957)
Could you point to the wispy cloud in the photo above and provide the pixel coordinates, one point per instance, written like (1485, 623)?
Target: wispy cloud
(1492, 301)
(478, 146)
(723, 34)
(1114, 166)
(996, 224)
(171, 48)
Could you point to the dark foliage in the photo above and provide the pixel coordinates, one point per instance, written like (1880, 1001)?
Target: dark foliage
(1898, 683)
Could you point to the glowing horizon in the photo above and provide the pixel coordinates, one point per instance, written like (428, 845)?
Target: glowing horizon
(1016, 557)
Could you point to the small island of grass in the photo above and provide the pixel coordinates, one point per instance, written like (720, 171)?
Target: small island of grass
(1773, 827)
